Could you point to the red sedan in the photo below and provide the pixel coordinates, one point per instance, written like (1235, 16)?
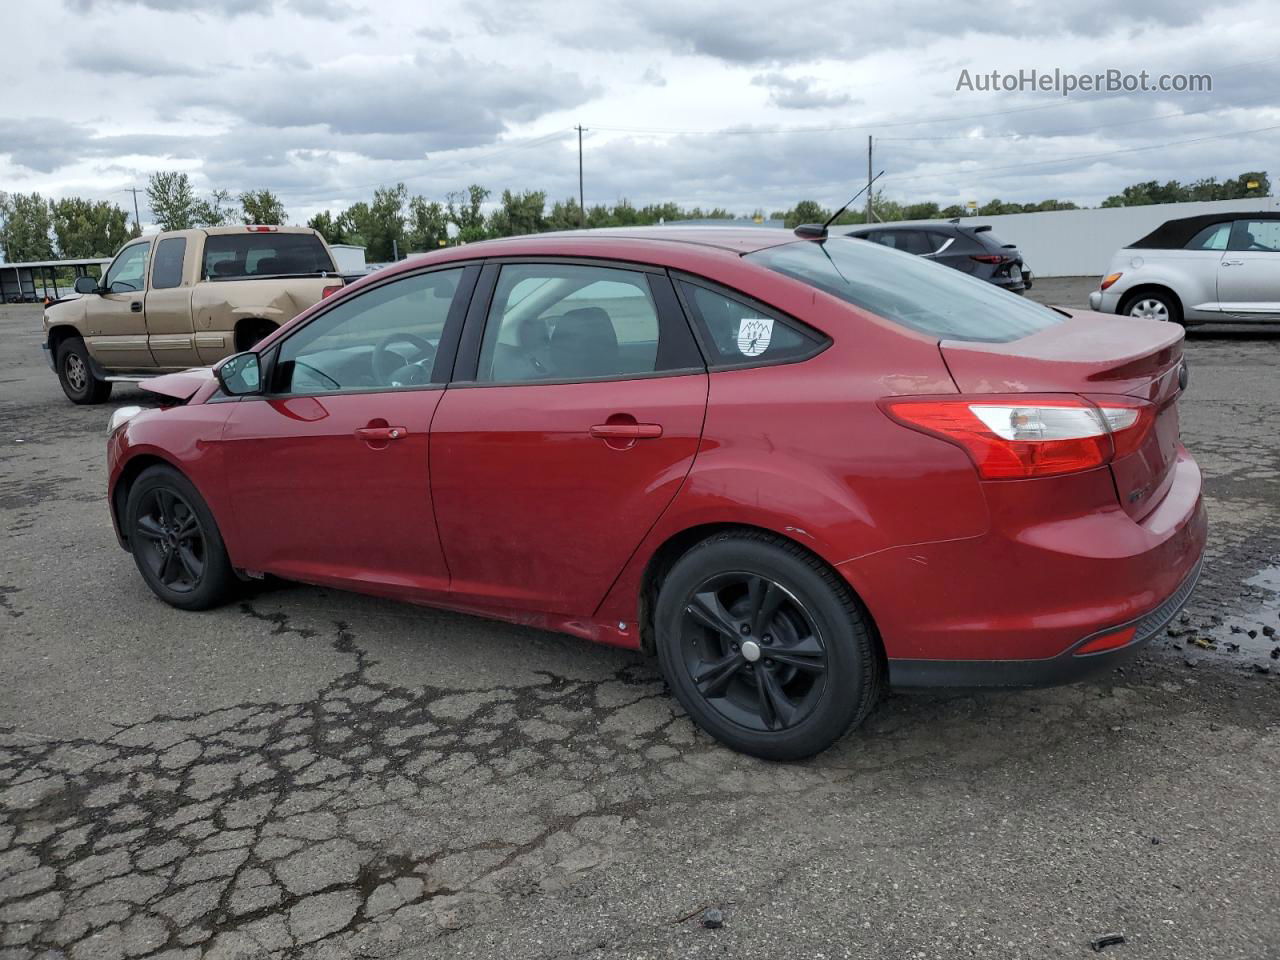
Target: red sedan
(794, 469)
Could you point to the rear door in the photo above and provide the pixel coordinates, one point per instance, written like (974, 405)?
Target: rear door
(574, 416)
(1249, 272)
(168, 301)
(115, 324)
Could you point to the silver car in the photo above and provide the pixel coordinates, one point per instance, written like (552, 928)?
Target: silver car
(1221, 266)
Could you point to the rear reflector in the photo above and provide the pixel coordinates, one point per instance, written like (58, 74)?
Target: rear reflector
(1109, 279)
(1019, 436)
(330, 290)
(1107, 641)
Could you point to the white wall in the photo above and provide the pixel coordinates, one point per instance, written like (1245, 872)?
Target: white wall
(1079, 243)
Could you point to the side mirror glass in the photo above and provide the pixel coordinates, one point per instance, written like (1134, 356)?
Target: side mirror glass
(240, 375)
(86, 285)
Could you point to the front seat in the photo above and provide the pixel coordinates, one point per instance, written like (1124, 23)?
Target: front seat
(584, 344)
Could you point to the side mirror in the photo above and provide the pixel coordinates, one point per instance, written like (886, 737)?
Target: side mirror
(86, 285)
(240, 375)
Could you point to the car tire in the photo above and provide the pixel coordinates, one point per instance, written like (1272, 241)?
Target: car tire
(812, 670)
(176, 542)
(75, 373)
(1153, 305)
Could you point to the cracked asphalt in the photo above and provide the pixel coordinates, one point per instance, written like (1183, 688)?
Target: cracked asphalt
(312, 774)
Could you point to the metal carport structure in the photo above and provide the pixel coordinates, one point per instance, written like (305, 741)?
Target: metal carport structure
(38, 280)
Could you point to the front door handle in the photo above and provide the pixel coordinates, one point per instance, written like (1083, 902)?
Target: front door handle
(380, 434)
(136, 306)
(626, 431)
(1232, 263)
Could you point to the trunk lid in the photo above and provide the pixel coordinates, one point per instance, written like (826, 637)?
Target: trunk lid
(1094, 355)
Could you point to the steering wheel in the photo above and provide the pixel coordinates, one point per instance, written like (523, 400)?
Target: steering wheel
(387, 363)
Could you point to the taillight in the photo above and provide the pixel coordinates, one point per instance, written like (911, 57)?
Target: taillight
(330, 290)
(987, 257)
(1109, 279)
(259, 228)
(1016, 437)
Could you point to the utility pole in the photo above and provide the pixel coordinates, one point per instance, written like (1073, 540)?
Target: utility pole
(582, 209)
(870, 213)
(137, 220)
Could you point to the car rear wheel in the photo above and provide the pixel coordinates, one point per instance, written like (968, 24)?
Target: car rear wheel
(75, 373)
(765, 646)
(175, 541)
(1154, 305)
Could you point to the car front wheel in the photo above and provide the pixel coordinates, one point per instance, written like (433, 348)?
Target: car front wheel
(75, 373)
(175, 541)
(765, 646)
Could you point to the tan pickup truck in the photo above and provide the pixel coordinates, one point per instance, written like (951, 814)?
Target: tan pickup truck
(183, 299)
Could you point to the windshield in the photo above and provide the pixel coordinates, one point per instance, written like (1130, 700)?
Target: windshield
(927, 297)
(234, 255)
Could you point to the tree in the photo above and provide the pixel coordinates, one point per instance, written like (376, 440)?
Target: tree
(519, 213)
(378, 226)
(211, 213)
(425, 229)
(85, 228)
(261, 206)
(173, 203)
(464, 210)
(25, 227)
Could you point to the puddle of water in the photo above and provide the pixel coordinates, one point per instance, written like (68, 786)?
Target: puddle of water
(1253, 618)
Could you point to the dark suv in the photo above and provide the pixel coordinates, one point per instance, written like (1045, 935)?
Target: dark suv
(973, 250)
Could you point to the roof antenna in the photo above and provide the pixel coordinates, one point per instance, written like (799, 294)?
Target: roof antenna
(813, 231)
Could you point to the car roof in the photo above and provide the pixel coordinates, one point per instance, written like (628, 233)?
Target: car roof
(1174, 234)
(661, 246)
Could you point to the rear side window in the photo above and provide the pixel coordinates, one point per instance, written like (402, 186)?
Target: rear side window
(1263, 235)
(233, 256)
(914, 293)
(166, 269)
(736, 333)
(1212, 237)
(563, 322)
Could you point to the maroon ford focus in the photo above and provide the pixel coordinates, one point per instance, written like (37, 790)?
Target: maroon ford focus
(795, 469)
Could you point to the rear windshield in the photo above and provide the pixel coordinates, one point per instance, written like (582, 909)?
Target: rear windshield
(927, 297)
(231, 255)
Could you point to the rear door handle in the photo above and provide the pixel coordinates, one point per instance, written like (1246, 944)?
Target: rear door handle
(136, 306)
(380, 434)
(626, 431)
(1232, 263)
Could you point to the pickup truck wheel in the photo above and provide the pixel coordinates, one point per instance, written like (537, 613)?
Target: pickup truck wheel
(75, 373)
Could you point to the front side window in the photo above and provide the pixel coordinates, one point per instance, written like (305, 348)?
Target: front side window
(908, 291)
(384, 338)
(127, 273)
(166, 270)
(569, 322)
(1212, 237)
(737, 334)
(230, 256)
(1256, 235)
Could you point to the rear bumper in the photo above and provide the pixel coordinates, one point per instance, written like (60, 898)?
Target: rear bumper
(1010, 607)
(1068, 667)
(1104, 301)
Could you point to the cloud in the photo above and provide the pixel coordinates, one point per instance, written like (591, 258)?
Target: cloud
(653, 77)
(316, 9)
(798, 93)
(112, 62)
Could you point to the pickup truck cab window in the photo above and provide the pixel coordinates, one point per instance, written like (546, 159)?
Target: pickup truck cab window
(228, 256)
(166, 269)
(127, 274)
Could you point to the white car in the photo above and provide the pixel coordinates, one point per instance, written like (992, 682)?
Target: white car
(1221, 267)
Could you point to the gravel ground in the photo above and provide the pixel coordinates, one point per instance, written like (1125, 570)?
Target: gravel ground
(314, 774)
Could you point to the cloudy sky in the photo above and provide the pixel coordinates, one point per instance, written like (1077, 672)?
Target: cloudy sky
(744, 104)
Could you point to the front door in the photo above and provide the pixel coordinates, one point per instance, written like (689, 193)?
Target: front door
(1249, 274)
(329, 471)
(115, 322)
(565, 435)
